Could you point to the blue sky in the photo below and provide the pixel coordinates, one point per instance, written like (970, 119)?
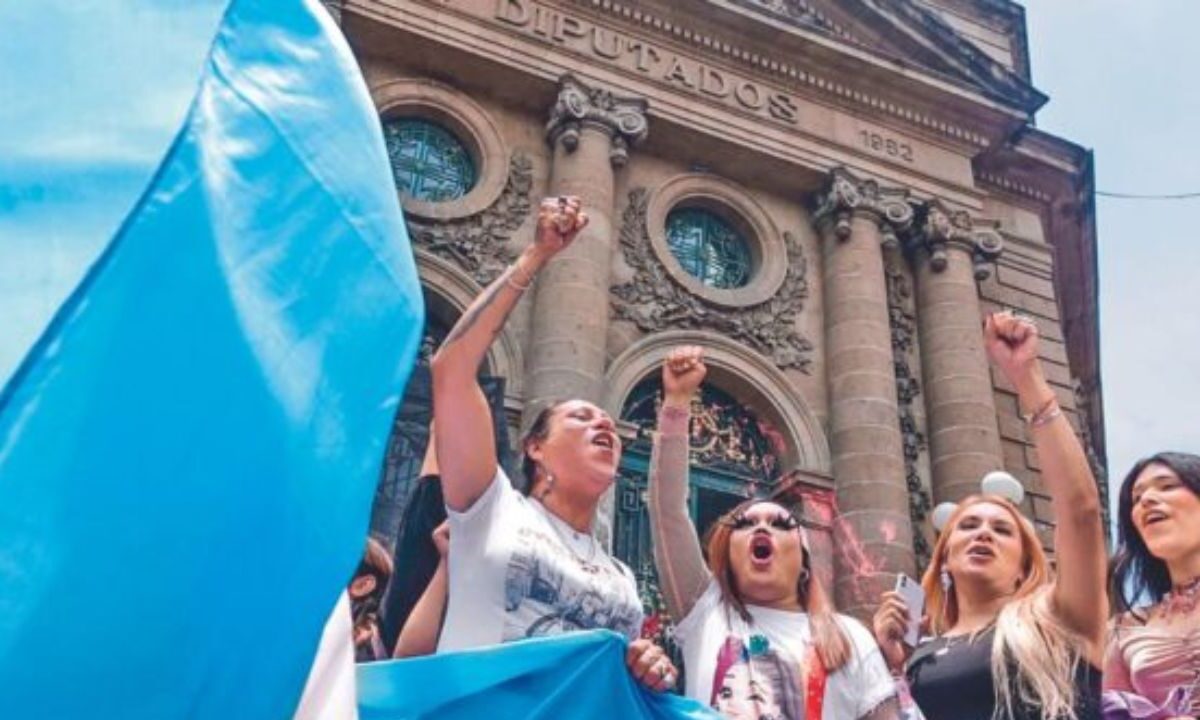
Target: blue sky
(1121, 80)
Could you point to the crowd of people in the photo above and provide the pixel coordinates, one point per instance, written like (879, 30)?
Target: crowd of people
(1004, 632)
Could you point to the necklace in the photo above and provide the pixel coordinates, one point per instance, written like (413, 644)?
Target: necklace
(1183, 598)
(589, 563)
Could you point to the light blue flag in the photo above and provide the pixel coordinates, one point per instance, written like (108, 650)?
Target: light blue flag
(189, 451)
(580, 676)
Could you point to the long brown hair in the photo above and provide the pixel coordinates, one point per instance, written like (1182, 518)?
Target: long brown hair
(1029, 638)
(833, 647)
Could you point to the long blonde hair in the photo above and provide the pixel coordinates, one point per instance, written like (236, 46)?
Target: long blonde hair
(1045, 652)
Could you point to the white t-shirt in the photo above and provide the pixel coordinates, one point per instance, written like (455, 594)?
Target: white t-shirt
(518, 571)
(766, 678)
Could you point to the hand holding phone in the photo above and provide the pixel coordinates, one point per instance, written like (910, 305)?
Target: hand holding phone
(913, 595)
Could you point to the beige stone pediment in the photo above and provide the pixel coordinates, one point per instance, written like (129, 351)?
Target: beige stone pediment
(906, 32)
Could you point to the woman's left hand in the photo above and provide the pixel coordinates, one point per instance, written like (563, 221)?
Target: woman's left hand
(649, 665)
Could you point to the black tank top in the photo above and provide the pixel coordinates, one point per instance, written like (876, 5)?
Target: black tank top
(951, 679)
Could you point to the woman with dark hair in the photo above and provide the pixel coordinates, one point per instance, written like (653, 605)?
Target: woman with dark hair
(758, 633)
(1152, 669)
(1012, 640)
(526, 565)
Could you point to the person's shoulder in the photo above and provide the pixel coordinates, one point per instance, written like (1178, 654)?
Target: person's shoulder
(623, 568)
(498, 495)
(853, 626)
(1139, 617)
(861, 639)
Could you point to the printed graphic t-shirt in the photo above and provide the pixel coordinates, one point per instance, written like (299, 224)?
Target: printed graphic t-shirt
(759, 669)
(517, 571)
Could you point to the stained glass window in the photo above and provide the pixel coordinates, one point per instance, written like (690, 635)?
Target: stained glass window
(708, 248)
(428, 162)
(726, 436)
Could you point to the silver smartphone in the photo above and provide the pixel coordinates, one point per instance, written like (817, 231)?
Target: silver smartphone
(913, 595)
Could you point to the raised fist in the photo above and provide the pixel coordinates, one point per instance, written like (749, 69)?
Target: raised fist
(559, 220)
(1012, 344)
(683, 371)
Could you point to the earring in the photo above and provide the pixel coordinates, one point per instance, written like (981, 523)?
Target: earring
(549, 483)
(804, 575)
(947, 580)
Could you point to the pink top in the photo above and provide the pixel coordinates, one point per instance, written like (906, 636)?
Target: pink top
(1153, 661)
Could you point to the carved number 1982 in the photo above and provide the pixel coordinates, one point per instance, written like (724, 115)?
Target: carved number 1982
(886, 145)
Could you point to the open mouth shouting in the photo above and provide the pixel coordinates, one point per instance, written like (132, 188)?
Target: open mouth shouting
(606, 440)
(1153, 517)
(981, 552)
(762, 549)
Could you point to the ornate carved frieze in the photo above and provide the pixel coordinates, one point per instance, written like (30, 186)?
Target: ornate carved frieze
(801, 12)
(761, 59)
(902, 319)
(846, 196)
(940, 229)
(652, 300)
(1085, 396)
(479, 243)
(624, 118)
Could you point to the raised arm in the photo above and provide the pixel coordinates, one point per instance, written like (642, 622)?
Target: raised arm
(465, 450)
(682, 573)
(419, 636)
(1079, 591)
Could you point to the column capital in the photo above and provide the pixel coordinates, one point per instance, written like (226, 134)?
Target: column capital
(940, 229)
(579, 104)
(845, 196)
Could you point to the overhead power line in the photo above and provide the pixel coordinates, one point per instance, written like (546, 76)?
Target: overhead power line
(1138, 196)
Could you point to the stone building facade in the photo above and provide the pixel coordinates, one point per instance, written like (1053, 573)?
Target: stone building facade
(826, 194)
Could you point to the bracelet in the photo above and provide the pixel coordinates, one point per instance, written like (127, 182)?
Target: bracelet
(1047, 412)
(1044, 418)
(512, 282)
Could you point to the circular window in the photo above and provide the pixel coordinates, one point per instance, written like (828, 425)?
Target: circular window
(709, 248)
(429, 163)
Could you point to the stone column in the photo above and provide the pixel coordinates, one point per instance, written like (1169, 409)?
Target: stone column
(951, 256)
(873, 531)
(591, 131)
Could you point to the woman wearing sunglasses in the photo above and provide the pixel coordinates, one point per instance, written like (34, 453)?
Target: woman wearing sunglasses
(757, 631)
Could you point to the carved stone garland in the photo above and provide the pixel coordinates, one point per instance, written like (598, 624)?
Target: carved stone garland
(479, 243)
(653, 301)
(902, 320)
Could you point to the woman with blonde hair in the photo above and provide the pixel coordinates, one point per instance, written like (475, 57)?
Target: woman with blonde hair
(758, 633)
(1011, 639)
